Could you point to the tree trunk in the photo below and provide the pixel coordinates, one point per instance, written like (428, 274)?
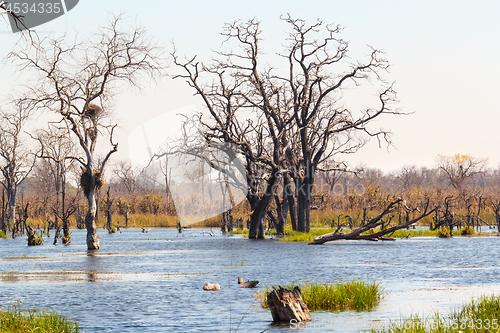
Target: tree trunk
(3, 224)
(304, 205)
(290, 198)
(92, 236)
(11, 197)
(279, 224)
(65, 222)
(287, 306)
(109, 216)
(257, 219)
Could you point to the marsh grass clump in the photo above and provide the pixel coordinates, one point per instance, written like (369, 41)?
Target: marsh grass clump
(468, 231)
(298, 236)
(351, 295)
(481, 315)
(15, 319)
(239, 232)
(444, 232)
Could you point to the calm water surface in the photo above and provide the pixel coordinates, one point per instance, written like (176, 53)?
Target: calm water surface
(152, 282)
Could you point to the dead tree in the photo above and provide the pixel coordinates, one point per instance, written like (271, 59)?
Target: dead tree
(55, 147)
(319, 72)
(445, 217)
(377, 222)
(76, 81)
(246, 111)
(298, 114)
(109, 215)
(287, 305)
(496, 209)
(16, 162)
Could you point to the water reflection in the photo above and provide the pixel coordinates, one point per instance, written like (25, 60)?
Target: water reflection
(154, 281)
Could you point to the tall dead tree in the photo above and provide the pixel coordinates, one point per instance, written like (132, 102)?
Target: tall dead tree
(319, 73)
(288, 117)
(55, 147)
(245, 111)
(16, 160)
(76, 82)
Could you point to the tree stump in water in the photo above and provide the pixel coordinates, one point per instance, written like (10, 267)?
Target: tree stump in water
(286, 305)
(33, 238)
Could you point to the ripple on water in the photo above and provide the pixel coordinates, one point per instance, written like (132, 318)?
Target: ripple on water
(153, 282)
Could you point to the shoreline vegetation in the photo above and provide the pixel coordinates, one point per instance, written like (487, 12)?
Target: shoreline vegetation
(297, 236)
(355, 295)
(16, 319)
(479, 315)
(321, 223)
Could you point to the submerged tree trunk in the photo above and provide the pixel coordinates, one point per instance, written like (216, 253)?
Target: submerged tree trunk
(66, 235)
(109, 216)
(11, 197)
(257, 219)
(290, 198)
(3, 225)
(92, 236)
(287, 305)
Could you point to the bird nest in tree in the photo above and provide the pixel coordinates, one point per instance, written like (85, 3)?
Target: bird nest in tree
(86, 182)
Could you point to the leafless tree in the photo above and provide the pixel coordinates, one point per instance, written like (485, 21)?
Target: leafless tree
(126, 176)
(55, 147)
(16, 160)
(377, 222)
(286, 123)
(243, 112)
(77, 80)
(319, 71)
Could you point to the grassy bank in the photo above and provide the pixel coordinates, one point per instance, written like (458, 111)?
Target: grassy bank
(350, 295)
(15, 319)
(297, 236)
(135, 221)
(481, 315)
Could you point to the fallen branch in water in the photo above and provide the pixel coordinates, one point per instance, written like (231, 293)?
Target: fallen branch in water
(357, 234)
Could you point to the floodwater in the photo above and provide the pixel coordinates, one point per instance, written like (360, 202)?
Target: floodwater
(152, 282)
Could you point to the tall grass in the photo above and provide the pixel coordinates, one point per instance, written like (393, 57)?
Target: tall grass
(351, 295)
(481, 315)
(15, 319)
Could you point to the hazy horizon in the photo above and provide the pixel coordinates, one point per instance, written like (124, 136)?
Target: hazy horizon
(441, 55)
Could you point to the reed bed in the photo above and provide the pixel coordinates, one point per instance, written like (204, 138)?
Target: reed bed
(15, 319)
(351, 295)
(481, 315)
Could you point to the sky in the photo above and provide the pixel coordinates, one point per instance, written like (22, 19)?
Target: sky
(443, 56)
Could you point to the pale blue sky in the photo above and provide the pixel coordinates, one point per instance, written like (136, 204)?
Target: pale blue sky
(444, 57)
